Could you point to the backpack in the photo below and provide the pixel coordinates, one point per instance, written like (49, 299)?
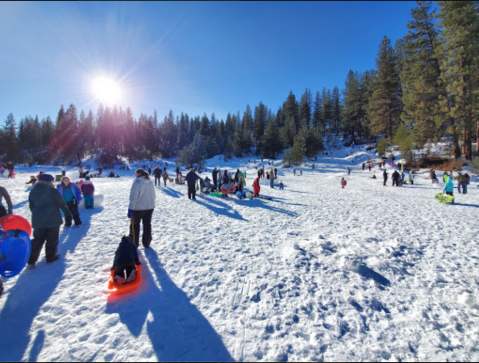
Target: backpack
(267, 176)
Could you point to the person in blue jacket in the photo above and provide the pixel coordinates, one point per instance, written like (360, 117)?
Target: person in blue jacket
(449, 186)
(72, 196)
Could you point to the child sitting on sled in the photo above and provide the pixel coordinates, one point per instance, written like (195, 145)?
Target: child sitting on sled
(126, 257)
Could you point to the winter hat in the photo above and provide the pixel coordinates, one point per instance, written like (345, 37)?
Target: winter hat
(46, 177)
(87, 177)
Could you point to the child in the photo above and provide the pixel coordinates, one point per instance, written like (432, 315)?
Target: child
(32, 181)
(126, 257)
(343, 183)
(281, 185)
(256, 187)
(88, 189)
(72, 196)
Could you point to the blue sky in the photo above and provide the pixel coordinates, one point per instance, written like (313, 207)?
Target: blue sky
(192, 57)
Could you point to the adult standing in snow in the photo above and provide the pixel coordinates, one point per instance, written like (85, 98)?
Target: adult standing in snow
(4, 194)
(385, 177)
(177, 170)
(64, 170)
(411, 177)
(191, 179)
(226, 177)
(271, 178)
(140, 209)
(467, 180)
(349, 171)
(276, 172)
(364, 166)
(157, 174)
(72, 196)
(369, 166)
(396, 177)
(11, 170)
(214, 174)
(45, 203)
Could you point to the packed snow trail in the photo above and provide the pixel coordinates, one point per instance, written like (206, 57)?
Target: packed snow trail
(318, 273)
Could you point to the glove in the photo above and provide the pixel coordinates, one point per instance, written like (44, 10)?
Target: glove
(130, 213)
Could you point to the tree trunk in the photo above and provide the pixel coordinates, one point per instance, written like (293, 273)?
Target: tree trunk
(455, 140)
(468, 145)
(477, 137)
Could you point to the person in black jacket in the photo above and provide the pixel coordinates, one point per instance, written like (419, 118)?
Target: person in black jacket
(226, 177)
(214, 174)
(177, 170)
(385, 177)
(191, 179)
(126, 257)
(396, 177)
(157, 173)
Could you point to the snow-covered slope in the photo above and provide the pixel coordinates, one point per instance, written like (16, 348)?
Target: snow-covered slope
(319, 273)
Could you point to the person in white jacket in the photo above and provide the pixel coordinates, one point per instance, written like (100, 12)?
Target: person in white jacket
(142, 204)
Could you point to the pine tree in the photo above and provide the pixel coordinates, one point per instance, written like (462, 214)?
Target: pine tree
(327, 109)
(352, 105)
(367, 82)
(298, 151)
(260, 114)
(291, 109)
(9, 142)
(305, 107)
(336, 110)
(421, 75)
(385, 105)
(460, 30)
(272, 144)
(318, 112)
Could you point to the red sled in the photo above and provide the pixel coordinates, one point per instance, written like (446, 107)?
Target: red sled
(116, 288)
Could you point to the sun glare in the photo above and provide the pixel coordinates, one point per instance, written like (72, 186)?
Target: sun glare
(106, 90)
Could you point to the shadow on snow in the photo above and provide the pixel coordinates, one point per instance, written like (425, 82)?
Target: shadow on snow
(177, 331)
(31, 291)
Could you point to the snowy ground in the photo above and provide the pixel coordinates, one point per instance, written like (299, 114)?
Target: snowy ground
(319, 273)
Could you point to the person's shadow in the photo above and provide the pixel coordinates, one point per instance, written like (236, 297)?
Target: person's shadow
(178, 330)
(31, 291)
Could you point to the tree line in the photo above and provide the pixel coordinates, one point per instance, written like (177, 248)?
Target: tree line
(424, 88)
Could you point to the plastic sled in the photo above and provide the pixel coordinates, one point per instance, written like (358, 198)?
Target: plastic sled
(115, 288)
(444, 198)
(16, 250)
(15, 222)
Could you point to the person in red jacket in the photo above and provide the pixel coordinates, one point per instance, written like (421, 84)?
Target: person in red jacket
(256, 187)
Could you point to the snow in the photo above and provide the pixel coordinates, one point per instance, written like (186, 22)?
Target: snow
(318, 273)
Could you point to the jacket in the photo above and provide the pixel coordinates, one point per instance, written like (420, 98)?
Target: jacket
(449, 186)
(87, 188)
(157, 172)
(45, 202)
(75, 190)
(191, 178)
(4, 194)
(142, 194)
(396, 175)
(126, 254)
(256, 186)
(165, 176)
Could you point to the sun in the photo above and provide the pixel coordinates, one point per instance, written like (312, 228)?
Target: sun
(106, 90)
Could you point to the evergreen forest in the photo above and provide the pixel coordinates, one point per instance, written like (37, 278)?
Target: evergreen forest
(424, 88)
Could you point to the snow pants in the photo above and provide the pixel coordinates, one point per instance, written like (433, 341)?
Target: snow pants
(145, 217)
(120, 270)
(40, 235)
(3, 211)
(73, 206)
(89, 201)
(396, 181)
(191, 192)
(385, 180)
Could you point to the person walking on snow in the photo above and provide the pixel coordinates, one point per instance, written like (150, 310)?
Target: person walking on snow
(72, 196)
(165, 177)
(45, 203)
(271, 178)
(157, 173)
(191, 179)
(385, 177)
(140, 209)
(349, 171)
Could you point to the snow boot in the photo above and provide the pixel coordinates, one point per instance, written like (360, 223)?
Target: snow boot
(132, 277)
(119, 280)
(55, 258)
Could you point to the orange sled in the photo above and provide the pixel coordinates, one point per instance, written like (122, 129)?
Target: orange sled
(115, 288)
